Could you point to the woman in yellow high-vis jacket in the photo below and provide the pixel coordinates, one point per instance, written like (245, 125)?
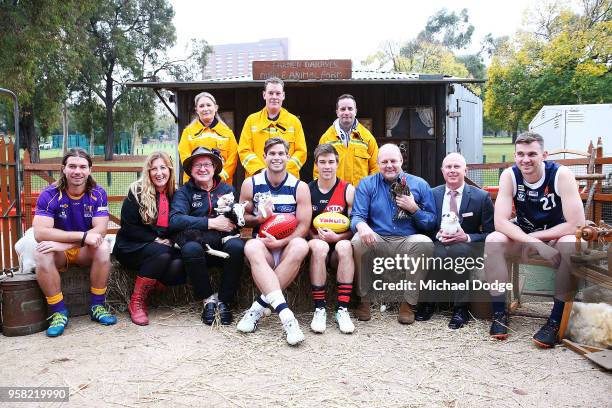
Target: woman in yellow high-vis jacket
(209, 131)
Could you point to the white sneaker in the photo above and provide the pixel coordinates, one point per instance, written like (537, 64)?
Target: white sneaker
(294, 333)
(248, 323)
(343, 319)
(319, 318)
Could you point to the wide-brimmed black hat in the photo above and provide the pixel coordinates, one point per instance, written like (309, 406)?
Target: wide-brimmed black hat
(214, 155)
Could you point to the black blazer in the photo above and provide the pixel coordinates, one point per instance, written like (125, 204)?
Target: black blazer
(134, 234)
(475, 214)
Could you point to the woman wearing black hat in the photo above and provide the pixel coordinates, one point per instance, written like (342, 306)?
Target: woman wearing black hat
(193, 207)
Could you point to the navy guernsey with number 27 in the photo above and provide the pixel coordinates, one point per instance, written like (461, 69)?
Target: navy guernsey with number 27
(538, 206)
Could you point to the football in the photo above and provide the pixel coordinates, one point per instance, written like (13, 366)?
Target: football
(279, 226)
(334, 221)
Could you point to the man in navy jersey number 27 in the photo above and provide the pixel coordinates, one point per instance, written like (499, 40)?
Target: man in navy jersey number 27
(548, 210)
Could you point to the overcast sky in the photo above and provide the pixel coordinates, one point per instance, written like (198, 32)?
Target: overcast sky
(326, 29)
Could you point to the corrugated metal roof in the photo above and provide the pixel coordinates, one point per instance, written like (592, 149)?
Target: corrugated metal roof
(358, 76)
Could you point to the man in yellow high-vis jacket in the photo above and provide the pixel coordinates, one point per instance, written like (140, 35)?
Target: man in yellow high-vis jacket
(354, 143)
(272, 121)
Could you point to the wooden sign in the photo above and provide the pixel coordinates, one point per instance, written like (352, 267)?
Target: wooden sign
(303, 69)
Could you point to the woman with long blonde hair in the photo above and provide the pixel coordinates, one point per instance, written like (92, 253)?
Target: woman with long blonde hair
(143, 242)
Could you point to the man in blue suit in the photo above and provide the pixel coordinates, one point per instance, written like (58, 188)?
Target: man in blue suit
(474, 209)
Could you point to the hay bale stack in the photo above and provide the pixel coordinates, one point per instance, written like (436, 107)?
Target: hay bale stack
(298, 294)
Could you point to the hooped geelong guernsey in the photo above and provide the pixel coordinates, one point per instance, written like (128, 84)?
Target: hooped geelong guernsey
(283, 196)
(538, 206)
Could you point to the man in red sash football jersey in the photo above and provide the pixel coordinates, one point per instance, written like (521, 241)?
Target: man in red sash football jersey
(329, 194)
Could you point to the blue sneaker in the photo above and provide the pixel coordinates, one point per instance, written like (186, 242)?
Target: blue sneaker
(98, 313)
(58, 323)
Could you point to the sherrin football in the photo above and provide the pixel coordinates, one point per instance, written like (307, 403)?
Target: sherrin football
(279, 226)
(331, 220)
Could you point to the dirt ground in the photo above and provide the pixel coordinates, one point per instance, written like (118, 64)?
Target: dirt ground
(177, 361)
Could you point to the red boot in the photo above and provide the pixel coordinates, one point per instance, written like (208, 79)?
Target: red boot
(138, 302)
(159, 288)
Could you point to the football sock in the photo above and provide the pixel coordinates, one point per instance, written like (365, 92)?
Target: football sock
(318, 296)
(499, 303)
(278, 302)
(557, 310)
(56, 303)
(98, 295)
(344, 294)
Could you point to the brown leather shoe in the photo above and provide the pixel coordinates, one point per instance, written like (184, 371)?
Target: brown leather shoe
(364, 311)
(406, 315)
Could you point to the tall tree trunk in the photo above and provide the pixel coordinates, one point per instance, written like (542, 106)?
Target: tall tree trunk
(65, 129)
(28, 139)
(92, 136)
(109, 144)
(133, 139)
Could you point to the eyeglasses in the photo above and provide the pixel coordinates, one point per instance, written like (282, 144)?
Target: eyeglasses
(203, 166)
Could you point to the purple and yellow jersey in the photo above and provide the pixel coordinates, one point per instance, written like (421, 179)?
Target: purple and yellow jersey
(72, 213)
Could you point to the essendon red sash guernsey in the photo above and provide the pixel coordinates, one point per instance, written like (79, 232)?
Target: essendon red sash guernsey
(332, 201)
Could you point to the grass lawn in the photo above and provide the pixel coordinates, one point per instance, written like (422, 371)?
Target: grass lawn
(496, 147)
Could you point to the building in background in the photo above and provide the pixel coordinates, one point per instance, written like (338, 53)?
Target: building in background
(228, 60)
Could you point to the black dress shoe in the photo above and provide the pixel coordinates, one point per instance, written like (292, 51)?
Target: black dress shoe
(424, 311)
(209, 312)
(499, 326)
(225, 313)
(460, 317)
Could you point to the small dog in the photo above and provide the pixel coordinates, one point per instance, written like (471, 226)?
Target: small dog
(449, 224)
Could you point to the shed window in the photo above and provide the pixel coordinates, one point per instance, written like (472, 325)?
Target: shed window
(415, 122)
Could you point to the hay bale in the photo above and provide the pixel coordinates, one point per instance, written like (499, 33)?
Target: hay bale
(298, 294)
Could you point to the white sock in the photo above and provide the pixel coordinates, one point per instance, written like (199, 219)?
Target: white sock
(286, 315)
(275, 299)
(256, 306)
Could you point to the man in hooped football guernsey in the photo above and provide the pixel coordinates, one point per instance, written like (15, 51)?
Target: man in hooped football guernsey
(69, 224)
(275, 262)
(548, 210)
(328, 193)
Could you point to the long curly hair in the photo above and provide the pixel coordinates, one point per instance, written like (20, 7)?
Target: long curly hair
(62, 183)
(144, 191)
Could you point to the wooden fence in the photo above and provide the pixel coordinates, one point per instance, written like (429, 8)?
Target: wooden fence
(114, 179)
(9, 218)
(592, 173)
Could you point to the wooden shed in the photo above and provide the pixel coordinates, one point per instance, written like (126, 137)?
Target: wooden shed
(410, 110)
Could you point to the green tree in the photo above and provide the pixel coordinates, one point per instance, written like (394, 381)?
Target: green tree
(40, 44)
(432, 49)
(565, 59)
(127, 39)
(451, 29)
